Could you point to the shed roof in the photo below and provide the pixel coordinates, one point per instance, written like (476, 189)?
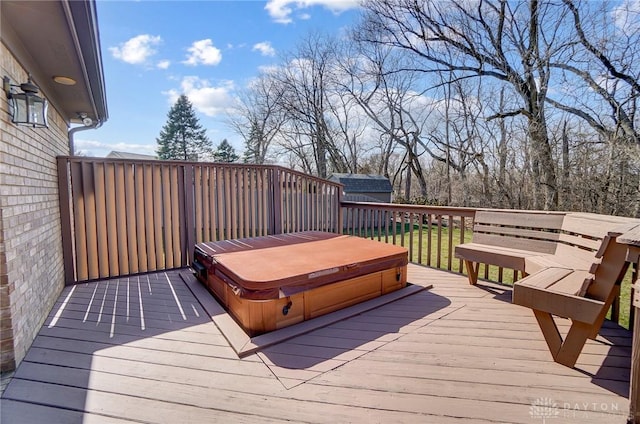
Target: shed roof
(363, 183)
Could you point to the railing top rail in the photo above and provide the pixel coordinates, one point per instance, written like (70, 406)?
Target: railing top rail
(398, 207)
(183, 162)
(466, 211)
(307, 176)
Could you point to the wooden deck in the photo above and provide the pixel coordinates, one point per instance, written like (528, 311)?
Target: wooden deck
(142, 349)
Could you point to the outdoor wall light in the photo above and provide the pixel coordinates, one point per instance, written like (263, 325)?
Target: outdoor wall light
(26, 108)
(60, 79)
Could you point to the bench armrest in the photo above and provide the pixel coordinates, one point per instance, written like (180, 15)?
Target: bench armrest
(564, 305)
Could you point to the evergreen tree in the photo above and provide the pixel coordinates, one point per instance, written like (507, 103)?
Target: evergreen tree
(225, 153)
(252, 152)
(182, 137)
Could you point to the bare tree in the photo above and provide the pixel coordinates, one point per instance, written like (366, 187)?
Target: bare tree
(493, 38)
(455, 139)
(349, 127)
(483, 102)
(603, 60)
(257, 118)
(396, 110)
(304, 82)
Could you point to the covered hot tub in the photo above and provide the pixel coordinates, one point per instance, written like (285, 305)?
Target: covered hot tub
(271, 282)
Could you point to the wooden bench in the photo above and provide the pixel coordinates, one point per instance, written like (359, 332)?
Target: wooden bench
(571, 263)
(530, 241)
(584, 296)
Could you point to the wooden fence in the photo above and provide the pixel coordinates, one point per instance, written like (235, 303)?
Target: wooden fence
(122, 217)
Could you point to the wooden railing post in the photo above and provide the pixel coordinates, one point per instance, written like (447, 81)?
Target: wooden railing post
(276, 202)
(189, 211)
(634, 384)
(339, 211)
(634, 323)
(632, 239)
(635, 294)
(64, 189)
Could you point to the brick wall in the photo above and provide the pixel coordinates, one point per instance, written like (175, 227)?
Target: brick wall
(31, 265)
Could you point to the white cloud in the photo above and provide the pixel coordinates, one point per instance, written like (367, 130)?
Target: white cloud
(137, 49)
(101, 149)
(203, 52)
(265, 48)
(281, 10)
(164, 64)
(207, 99)
(268, 69)
(627, 16)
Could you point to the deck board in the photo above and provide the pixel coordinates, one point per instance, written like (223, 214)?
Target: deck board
(454, 354)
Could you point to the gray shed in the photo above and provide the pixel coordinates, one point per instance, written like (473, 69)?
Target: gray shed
(364, 188)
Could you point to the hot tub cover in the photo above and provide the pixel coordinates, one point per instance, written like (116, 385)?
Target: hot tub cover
(300, 262)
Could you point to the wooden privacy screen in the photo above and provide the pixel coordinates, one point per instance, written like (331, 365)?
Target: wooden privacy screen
(122, 217)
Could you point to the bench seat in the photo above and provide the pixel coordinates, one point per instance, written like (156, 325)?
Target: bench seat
(534, 264)
(559, 291)
(525, 261)
(496, 255)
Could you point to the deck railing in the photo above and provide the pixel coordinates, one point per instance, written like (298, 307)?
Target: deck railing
(430, 233)
(123, 217)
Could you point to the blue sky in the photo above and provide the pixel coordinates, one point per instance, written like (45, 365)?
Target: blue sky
(153, 51)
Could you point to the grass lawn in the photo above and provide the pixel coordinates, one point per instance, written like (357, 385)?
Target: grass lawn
(431, 258)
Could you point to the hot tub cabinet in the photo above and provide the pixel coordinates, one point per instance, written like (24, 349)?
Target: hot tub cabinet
(267, 283)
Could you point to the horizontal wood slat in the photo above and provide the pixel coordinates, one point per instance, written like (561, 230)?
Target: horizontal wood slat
(515, 231)
(533, 245)
(525, 219)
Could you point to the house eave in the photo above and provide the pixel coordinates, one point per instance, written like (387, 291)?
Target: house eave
(65, 43)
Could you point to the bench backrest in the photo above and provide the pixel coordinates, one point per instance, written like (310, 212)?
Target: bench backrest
(531, 230)
(545, 232)
(586, 231)
(610, 270)
(582, 234)
(594, 236)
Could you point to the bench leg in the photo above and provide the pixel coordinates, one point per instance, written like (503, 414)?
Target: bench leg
(600, 320)
(472, 271)
(565, 351)
(549, 331)
(573, 343)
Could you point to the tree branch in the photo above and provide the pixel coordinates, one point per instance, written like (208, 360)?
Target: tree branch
(507, 114)
(598, 54)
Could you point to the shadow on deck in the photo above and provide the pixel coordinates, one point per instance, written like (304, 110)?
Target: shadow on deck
(143, 349)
